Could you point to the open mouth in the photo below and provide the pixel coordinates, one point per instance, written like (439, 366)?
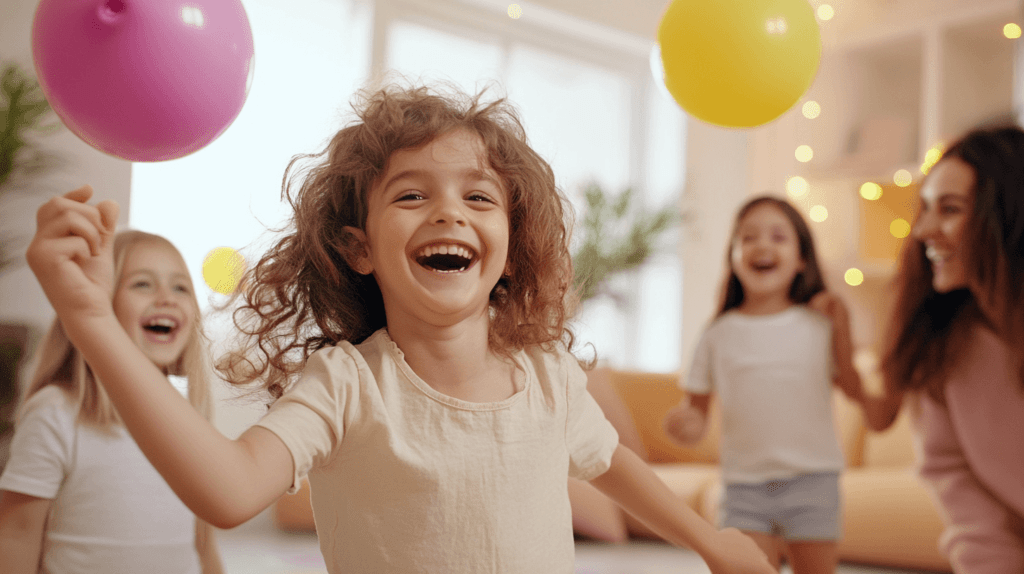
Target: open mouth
(936, 256)
(160, 328)
(763, 267)
(445, 258)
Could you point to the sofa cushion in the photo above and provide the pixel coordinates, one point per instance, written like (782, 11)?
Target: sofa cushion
(889, 519)
(649, 396)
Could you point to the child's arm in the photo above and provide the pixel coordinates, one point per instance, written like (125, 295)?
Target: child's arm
(880, 412)
(846, 376)
(222, 481)
(206, 547)
(635, 487)
(687, 422)
(22, 520)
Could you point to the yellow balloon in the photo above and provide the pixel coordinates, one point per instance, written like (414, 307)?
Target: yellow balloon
(223, 269)
(739, 63)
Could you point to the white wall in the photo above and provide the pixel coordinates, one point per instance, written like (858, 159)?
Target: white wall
(21, 298)
(717, 184)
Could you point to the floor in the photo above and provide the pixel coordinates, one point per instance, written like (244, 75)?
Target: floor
(257, 547)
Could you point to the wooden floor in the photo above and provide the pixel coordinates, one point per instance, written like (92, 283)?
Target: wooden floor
(257, 547)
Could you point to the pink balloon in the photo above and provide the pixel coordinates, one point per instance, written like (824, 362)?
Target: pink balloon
(144, 80)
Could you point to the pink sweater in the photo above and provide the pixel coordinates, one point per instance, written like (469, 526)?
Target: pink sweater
(973, 459)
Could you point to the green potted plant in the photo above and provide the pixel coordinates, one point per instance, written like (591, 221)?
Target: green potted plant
(24, 112)
(617, 236)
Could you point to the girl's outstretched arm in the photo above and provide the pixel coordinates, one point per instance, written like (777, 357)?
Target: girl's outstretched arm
(635, 487)
(846, 376)
(22, 522)
(222, 481)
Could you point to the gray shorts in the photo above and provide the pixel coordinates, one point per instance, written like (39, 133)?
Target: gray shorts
(805, 507)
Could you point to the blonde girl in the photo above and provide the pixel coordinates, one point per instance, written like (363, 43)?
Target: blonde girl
(77, 494)
(772, 354)
(410, 327)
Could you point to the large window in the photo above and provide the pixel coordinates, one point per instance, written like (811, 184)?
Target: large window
(590, 108)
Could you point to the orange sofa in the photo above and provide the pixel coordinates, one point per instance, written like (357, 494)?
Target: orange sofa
(889, 518)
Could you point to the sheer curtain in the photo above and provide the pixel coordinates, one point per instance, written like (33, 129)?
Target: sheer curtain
(594, 121)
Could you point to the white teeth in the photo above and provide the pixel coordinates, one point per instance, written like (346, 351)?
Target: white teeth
(162, 322)
(446, 250)
(935, 255)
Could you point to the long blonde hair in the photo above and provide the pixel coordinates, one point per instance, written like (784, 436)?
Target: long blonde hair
(58, 362)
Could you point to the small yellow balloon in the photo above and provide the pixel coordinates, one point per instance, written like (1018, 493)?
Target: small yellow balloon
(739, 64)
(223, 269)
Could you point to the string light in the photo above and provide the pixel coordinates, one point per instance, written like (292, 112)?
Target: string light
(818, 213)
(804, 153)
(796, 186)
(853, 276)
(871, 191)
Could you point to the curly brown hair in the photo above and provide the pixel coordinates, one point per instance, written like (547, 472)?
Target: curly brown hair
(303, 295)
(928, 330)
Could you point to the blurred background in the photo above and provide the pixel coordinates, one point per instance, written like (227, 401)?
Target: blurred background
(897, 79)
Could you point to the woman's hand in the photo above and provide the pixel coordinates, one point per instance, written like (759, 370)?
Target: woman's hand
(72, 254)
(737, 553)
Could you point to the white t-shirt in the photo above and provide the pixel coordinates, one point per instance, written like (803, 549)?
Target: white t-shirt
(111, 510)
(406, 479)
(772, 375)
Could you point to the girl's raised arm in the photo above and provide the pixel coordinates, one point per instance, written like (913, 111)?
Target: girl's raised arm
(222, 481)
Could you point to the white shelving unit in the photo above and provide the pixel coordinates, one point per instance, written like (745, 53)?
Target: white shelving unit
(917, 76)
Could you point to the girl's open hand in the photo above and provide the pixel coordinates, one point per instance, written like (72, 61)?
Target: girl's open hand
(830, 306)
(737, 553)
(685, 423)
(72, 254)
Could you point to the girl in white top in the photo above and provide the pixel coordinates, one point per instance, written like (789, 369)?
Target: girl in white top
(772, 360)
(411, 328)
(77, 494)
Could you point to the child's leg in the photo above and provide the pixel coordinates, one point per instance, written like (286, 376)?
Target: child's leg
(820, 557)
(812, 523)
(749, 508)
(770, 545)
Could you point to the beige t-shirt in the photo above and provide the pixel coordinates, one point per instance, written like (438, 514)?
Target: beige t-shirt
(406, 479)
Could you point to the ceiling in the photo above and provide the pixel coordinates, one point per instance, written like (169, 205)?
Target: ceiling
(641, 17)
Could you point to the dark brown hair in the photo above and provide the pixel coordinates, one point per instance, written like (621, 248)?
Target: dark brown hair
(927, 329)
(806, 284)
(302, 295)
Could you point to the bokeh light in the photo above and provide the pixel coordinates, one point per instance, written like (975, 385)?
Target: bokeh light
(853, 276)
(899, 228)
(514, 11)
(1011, 31)
(222, 269)
(818, 213)
(804, 153)
(796, 186)
(931, 157)
(902, 178)
(871, 191)
(811, 109)
(826, 12)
